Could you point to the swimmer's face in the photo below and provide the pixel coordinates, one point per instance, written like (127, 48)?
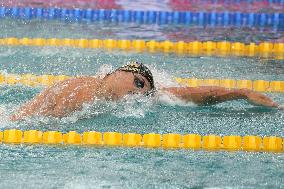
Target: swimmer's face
(122, 83)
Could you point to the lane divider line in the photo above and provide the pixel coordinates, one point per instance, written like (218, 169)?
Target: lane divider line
(148, 140)
(49, 80)
(201, 18)
(255, 85)
(221, 48)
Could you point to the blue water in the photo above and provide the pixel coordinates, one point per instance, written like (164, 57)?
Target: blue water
(39, 166)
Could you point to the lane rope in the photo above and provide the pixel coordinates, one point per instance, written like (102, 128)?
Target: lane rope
(221, 48)
(149, 140)
(49, 80)
(201, 18)
(255, 85)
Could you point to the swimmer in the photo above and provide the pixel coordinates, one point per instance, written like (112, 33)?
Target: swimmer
(135, 78)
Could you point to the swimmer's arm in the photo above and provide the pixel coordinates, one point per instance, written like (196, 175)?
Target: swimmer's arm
(27, 109)
(213, 95)
(35, 106)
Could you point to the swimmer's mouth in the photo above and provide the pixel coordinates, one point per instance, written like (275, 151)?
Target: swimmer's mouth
(132, 93)
(148, 93)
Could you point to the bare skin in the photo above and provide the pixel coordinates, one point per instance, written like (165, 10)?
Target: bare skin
(68, 96)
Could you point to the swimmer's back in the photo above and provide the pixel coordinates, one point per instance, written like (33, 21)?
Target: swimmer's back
(62, 98)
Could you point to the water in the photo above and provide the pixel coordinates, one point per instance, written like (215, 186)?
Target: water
(89, 167)
(80, 167)
(103, 30)
(38, 166)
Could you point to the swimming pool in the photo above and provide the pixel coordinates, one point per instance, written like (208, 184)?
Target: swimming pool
(38, 166)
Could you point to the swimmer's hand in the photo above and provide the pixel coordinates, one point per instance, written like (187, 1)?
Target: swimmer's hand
(260, 99)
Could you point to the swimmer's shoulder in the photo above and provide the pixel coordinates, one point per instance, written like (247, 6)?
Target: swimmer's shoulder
(82, 80)
(78, 83)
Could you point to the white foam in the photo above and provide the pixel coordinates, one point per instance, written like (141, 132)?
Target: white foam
(169, 99)
(103, 70)
(162, 78)
(136, 105)
(5, 112)
(3, 116)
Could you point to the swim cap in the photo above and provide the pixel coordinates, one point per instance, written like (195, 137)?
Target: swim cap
(139, 68)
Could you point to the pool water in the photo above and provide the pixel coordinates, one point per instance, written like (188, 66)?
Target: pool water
(103, 30)
(81, 167)
(39, 166)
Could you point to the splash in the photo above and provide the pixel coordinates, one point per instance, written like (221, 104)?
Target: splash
(136, 105)
(169, 99)
(103, 70)
(162, 78)
(5, 112)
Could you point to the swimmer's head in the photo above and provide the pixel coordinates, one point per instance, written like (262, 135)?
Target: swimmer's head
(132, 78)
(141, 69)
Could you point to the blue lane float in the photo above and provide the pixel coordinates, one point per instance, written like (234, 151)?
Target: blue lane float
(237, 1)
(238, 19)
